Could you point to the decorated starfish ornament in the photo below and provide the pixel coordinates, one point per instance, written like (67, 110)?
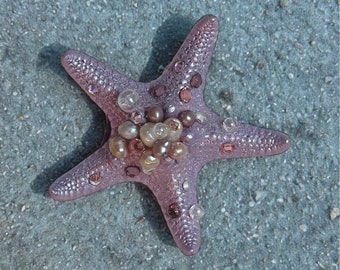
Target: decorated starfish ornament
(162, 133)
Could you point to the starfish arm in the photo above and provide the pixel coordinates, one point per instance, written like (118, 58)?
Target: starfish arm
(183, 80)
(175, 191)
(226, 138)
(99, 81)
(97, 172)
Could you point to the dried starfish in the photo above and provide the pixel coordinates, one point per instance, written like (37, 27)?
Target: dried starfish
(162, 133)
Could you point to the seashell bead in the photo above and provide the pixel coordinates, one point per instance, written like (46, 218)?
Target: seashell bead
(175, 128)
(148, 162)
(145, 134)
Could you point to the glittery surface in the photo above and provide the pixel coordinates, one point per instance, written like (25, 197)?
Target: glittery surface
(211, 137)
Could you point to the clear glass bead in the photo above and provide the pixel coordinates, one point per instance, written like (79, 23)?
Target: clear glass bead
(196, 211)
(128, 100)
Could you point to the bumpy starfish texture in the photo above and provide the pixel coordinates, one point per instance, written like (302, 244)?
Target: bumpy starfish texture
(162, 133)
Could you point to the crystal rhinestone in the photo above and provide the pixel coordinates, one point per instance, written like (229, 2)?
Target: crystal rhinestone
(227, 148)
(174, 210)
(94, 179)
(92, 89)
(179, 66)
(196, 80)
(229, 124)
(185, 94)
(201, 117)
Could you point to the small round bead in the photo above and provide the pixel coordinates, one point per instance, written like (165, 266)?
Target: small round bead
(155, 113)
(128, 130)
(196, 211)
(118, 147)
(178, 150)
(127, 100)
(187, 118)
(161, 148)
(175, 128)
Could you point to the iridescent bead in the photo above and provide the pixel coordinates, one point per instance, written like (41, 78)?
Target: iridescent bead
(118, 147)
(196, 211)
(161, 148)
(178, 150)
(128, 130)
(128, 100)
(187, 118)
(175, 128)
(155, 113)
(148, 162)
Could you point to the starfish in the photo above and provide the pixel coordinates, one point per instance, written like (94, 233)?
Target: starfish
(162, 133)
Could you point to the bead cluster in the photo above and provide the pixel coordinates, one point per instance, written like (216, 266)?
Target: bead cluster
(151, 139)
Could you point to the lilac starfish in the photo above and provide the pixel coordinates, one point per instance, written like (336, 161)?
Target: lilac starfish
(162, 133)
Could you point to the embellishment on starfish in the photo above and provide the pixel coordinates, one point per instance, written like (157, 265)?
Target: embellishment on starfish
(162, 133)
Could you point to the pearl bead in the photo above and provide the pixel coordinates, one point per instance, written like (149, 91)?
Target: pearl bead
(118, 147)
(187, 118)
(155, 114)
(178, 150)
(128, 130)
(161, 148)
